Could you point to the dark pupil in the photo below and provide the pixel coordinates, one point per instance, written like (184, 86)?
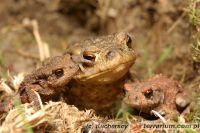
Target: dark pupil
(148, 94)
(59, 72)
(88, 57)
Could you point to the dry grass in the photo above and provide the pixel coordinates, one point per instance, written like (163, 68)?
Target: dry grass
(54, 116)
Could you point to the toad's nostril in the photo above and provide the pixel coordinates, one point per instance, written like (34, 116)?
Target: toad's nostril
(136, 98)
(110, 55)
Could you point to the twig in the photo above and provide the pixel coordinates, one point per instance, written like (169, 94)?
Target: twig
(44, 52)
(175, 24)
(5, 87)
(43, 47)
(39, 99)
(157, 114)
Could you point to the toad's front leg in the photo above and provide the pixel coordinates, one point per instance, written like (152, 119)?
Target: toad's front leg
(29, 94)
(37, 94)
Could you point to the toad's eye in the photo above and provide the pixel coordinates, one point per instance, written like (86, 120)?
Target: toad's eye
(59, 72)
(129, 41)
(89, 56)
(149, 93)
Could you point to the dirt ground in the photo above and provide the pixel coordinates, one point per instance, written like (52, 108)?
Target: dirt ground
(161, 29)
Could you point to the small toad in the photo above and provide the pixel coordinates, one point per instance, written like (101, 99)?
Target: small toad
(158, 93)
(48, 81)
(103, 62)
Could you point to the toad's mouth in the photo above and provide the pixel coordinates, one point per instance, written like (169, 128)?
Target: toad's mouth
(106, 76)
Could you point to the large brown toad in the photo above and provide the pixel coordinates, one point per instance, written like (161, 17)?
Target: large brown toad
(104, 61)
(158, 93)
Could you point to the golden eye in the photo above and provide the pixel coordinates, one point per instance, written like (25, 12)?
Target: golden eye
(59, 72)
(89, 56)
